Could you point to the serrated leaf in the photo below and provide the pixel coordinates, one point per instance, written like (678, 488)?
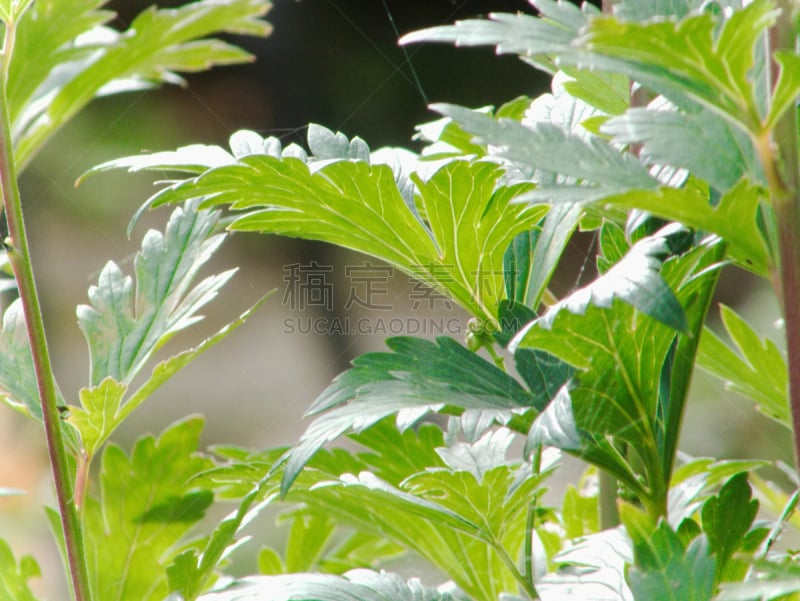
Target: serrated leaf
(14, 575)
(688, 59)
(727, 518)
(699, 141)
(158, 45)
(589, 167)
(356, 585)
(663, 569)
(634, 280)
(592, 568)
(418, 377)
(125, 326)
(608, 92)
(787, 88)
(515, 33)
(644, 10)
(616, 350)
(734, 218)
(754, 366)
(358, 206)
(144, 509)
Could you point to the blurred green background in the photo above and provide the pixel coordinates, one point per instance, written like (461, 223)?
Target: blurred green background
(334, 62)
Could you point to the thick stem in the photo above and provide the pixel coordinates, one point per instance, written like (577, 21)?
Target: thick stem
(779, 156)
(19, 257)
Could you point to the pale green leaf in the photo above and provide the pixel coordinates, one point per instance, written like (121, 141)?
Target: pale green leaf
(356, 585)
(359, 206)
(97, 416)
(159, 44)
(592, 568)
(589, 167)
(644, 10)
(17, 376)
(14, 576)
(701, 142)
(143, 511)
(125, 325)
(754, 366)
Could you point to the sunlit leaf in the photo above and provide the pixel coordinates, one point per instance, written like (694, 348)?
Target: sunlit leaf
(753, 367)
(143, 511)
(160, 43)
(126, 324)
(356, 585)
(14, 576)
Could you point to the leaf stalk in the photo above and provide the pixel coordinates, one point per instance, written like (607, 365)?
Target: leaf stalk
(19, 257)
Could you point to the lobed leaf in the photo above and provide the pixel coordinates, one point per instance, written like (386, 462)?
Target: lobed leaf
(754, 366)
(14, 576)
(75, 59)
(356, 585)
(144, 509)
(418, 377)
(125, 326)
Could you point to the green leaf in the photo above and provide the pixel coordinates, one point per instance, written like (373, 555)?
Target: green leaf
(143, 511)
(418, 377)
(619, 354)
(10, 10)
(125, 326)
(634, 280)
(589, 168)
(754, 366)
(608, 92)
(727, 518)
(269, 562)
(105, 407)
(787, 88)
(469, 529)
(700, 141)
(734, 218)
(158, 45)
(358, 206)
(14, 576)
(356, 585)
(687, 59)
(663, 569)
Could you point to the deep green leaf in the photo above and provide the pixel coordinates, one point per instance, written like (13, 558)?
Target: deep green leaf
(663, 569)
(356, 585)
(727, 518)
(14, 575)
(619, 355)
(418, 377)
(143, 511)
(754, 366)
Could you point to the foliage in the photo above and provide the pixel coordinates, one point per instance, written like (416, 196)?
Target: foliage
(670, 133)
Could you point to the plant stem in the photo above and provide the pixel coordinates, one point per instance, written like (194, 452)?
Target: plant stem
(19, 257)
(778, 153)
